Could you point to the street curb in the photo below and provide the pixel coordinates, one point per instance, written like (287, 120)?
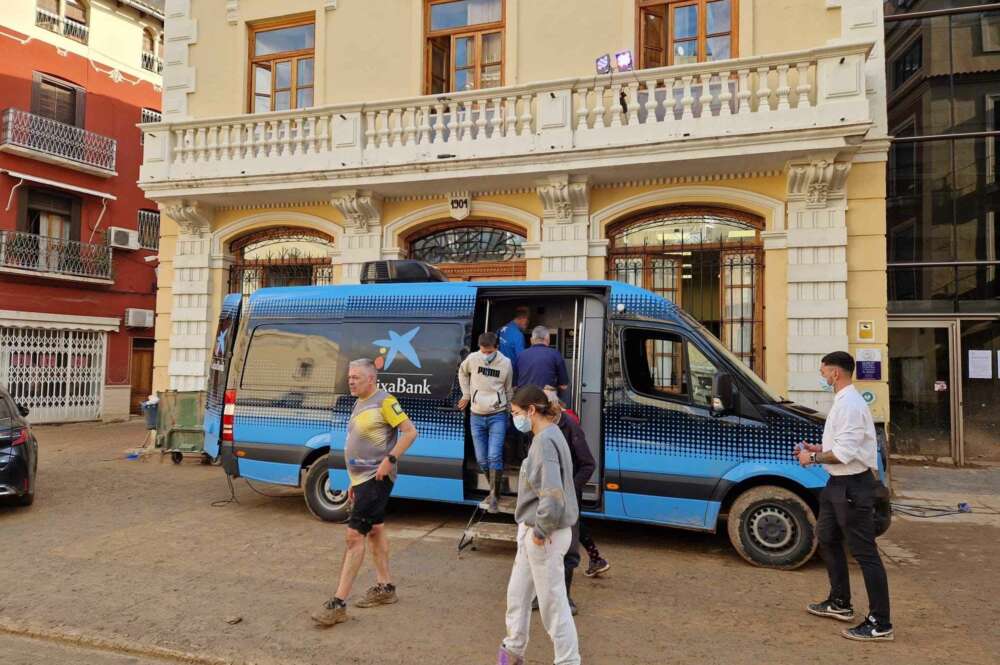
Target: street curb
(109, 644)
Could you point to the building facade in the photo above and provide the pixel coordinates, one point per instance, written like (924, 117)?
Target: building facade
(738, 169)
(76, 293)
(943, 70)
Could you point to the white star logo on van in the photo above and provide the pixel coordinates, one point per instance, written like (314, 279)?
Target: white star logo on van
(399, 344)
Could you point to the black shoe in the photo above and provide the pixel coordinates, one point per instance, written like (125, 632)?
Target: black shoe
(831, 608)
(869, 630)
(534, 604)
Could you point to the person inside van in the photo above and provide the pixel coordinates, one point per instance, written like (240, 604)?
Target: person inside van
(378, 434)
(512, 336)
(546, 511)
(542, 366)
(486, 378)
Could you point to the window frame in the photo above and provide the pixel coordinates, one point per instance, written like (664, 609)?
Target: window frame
(702, 31)
(25, 206)
(292, 57)
(477, 31)
(79, 96)
(684, 396)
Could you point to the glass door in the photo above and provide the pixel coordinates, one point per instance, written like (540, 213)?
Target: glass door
(924, 389)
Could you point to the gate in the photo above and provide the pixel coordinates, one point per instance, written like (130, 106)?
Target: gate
(58, 374)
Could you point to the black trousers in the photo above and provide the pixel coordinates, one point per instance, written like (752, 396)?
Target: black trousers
(847, 513)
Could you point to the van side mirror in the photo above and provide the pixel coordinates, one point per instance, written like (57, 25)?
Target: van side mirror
(723, 394)
(23, 410)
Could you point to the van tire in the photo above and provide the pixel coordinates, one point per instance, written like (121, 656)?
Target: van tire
(772, 527)
(324, 504)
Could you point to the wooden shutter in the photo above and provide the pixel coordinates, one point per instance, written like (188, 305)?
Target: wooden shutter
(49, 5)
(75, 11)
(64, 103)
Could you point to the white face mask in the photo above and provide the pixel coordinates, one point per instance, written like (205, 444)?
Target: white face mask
(522, 423)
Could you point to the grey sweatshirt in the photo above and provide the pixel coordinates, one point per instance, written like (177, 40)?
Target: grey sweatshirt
(487, 385)
(546, 497)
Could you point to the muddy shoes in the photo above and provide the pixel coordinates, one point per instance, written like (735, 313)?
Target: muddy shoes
(380, 594)
(831, 608)
(491, 502)
(334, 611)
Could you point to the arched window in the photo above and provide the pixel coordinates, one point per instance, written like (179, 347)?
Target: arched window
(280, 256)
(151, 55)
(67, 17)
(709, 261)
(474, 250)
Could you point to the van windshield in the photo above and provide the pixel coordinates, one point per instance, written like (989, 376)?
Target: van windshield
(736, 362)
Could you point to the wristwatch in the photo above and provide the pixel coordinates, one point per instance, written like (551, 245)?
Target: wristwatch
(812, 458)
(392, 459)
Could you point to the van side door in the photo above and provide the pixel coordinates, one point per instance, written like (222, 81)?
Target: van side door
(672, 451)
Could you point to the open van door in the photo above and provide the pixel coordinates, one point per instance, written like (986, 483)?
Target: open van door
(218, 371)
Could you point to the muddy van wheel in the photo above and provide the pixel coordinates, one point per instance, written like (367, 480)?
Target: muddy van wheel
(772, 527)
(326, 503)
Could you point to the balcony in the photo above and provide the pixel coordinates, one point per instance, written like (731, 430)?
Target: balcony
(55, 142)
(62, 25)
(649, 123)
(32, 254)
(151, 63)
(149, 229)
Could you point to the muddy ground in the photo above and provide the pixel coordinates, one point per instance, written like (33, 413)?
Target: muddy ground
(119, 561)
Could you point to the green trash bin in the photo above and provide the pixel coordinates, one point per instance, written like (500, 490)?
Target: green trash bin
(179, 429)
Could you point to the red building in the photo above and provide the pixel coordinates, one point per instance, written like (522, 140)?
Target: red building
(78, 240)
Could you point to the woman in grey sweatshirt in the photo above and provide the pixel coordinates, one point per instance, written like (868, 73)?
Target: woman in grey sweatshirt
(546, 511)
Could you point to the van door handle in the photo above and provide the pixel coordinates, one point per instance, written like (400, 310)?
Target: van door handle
(635, 419)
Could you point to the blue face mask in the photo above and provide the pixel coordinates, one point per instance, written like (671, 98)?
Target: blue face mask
(522, 423)
(824, 386)
(491, 357)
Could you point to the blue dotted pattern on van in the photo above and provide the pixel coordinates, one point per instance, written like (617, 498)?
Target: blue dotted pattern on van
(433, 420)
(638, 303)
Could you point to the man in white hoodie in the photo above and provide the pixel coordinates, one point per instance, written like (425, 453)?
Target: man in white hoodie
(486, 378)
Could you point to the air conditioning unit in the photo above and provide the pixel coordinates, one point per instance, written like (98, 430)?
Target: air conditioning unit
(139, 318)
(123, 238)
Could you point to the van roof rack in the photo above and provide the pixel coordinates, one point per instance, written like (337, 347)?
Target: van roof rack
(404, 270)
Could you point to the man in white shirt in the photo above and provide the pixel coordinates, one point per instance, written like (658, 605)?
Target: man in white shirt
(849, 453)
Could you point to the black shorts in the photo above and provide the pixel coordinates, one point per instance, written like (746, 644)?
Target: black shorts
(370, 501)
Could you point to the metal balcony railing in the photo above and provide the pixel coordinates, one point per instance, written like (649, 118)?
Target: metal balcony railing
(149, 229)
(150, 115)
(61, 25)
(35, 253)
(151, 63)
(56, 139)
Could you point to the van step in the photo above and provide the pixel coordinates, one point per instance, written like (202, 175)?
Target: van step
(492, 531)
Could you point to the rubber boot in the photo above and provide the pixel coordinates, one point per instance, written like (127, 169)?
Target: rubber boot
(485, 503)
(496, 476)
(569, 583)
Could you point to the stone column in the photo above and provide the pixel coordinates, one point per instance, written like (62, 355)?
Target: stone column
(191, 325)
(362, 238)
(565, 227)
(817, 273)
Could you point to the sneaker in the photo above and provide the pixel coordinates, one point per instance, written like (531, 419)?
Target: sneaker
(380, 594)
(596, 567)
(869, 630)
(505, 657)
(831, 608)
(334, 611)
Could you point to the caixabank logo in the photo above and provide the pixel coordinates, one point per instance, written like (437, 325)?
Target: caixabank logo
(389, 350)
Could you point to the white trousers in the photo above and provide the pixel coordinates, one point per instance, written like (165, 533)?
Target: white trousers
(539, 570)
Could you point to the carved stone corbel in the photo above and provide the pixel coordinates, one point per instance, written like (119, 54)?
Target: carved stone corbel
(233, 11)
(817, 182)
(563, 197)
(193, 217)
(360, 208)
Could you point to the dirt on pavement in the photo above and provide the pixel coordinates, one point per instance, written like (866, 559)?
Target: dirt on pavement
(132, 556)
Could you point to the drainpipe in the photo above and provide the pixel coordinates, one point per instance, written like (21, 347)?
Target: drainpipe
(13, 189)
(104, 207)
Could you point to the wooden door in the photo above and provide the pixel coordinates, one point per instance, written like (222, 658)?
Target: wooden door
(142, 377)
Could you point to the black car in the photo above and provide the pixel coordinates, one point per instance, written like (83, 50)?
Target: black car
(18, 453)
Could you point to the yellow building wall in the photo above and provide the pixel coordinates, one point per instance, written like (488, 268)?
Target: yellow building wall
(115, 34)
(866, 276)
(544, 40)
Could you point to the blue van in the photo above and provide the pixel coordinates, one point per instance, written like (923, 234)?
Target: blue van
(685, 435)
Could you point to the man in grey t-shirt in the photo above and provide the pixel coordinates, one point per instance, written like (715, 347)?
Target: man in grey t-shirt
(378, 433)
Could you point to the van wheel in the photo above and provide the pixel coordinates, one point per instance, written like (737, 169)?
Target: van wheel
(328, 504)
(772, 527)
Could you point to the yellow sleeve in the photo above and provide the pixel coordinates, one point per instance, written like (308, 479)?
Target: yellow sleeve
(392, 412)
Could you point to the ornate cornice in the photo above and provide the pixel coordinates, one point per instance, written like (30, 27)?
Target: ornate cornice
(817, 182)
(563, 197)
(360, 208)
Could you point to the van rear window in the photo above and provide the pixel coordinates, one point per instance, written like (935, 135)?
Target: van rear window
(304, 356)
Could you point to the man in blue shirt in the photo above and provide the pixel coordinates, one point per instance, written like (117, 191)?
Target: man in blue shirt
(541, 365)
(512, 337)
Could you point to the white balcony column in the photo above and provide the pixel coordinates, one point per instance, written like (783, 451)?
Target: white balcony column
(817, 273)
(191, 325)
(565, 226)
(362, 238)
